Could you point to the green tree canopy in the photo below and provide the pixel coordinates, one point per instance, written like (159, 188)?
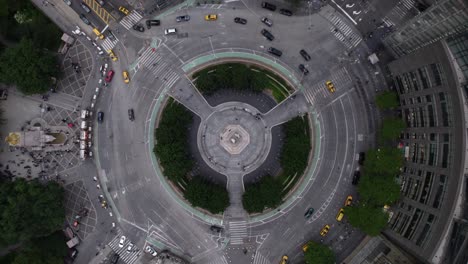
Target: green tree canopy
(318, 254)
(369, 219)
(378, 190)
(296, 148)
(267, 193)
(209, 196)
(29, 209)
(27, 67)
(45, 250)
(391, 128)
(383, 161)
(172, 141)
(387, 100)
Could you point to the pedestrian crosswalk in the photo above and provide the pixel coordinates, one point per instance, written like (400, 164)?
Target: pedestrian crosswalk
(211, 6)
(108, 44)
(317, 92)
(130, 20)
(125, 256)
(237, 231)
(160, 69)
(343, 32)
(399, 13)
(218, 260)
(260, 259)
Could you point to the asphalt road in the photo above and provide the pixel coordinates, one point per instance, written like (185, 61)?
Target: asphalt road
(344, 124)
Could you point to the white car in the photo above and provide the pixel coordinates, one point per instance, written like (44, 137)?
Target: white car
(130, 247)
(170, 31)
(122, 241)
(151, 251)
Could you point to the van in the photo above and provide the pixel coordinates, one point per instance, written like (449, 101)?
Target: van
(98, 33)
(340, 215)
(170, 31)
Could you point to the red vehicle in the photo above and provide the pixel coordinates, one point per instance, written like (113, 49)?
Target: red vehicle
(109, 75)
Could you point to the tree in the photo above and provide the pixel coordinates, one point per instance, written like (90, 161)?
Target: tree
(27, 67)
(383, 161)
(295, 151)
(387, 100)
(371, 220)
(318, 254)
(267, 193)
(45, 250)
(378, 190)
(209, 196)
(30, 209)
(391, 128)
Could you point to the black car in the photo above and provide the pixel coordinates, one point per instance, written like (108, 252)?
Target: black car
(362, 158)
(275, 52)
(268, 6)
(239, 20)
(303, 69)
(110, 35)
(84, 19)
(150, 23)
(356, 177)
(183, 18)
(114, 258)
(309, 213)
(305, 55)
(139, 27)
(267, 34)
(100, 117)
(131, 114)
(285, 12)
(216, 229)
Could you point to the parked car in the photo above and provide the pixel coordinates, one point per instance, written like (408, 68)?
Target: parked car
(138, 27)
(362, 158)
(152, 22)
(267, 34)
(356, 177)
(216, 229)
(305, 55)
(285, 12)
(266, 21)
(84, 19)
(275, 52)
(184, 18)
(85, 8)
(268, 6)
(109, 76)
(348, 200)
(303, 69)
(240, 20)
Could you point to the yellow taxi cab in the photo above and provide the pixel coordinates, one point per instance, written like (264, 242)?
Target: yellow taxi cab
(126, 77)
(325, 230)
(330, 86)
(112, 55)
(124, 10)
(305, 247)
(348, 201)
(284, 260)
(340, 215)
(98, 33)
(211, 17)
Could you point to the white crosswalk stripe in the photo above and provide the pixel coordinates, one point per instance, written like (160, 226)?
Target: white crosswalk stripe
(127, 257)
(238, 231)
(398, 12)
(108, 44)
(218, 260)
(130, 20)
(212, 6)
(317, 92)
(343, 32)
(260, 259)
